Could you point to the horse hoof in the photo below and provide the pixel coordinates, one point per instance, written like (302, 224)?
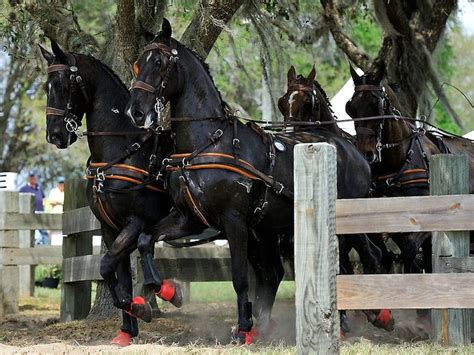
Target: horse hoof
(122, 339)
(385, 320)
(344, 323)
(242, 337)
(171, 292)
(140, 308)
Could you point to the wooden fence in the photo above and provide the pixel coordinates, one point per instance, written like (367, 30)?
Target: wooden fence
(18, 255)
(320, 293)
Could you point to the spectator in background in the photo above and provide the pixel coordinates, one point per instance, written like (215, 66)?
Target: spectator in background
(56, 196)
(32, 187)
(56, 200)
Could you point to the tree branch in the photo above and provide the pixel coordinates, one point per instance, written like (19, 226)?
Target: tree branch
(332, 17)
(210, 18)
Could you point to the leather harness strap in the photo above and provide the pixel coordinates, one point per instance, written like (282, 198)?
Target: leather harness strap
(106, 216)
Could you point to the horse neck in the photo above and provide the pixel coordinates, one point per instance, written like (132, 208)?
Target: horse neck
(324, 113)
(105, 112)
(198, 98)
(395, 131)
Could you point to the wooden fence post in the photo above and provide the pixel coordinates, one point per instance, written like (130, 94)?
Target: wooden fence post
(76, 296)
(27, 240)
(449, 175)
(316, 249)
(9, 274)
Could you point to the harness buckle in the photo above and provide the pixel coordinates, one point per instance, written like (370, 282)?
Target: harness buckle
(73, 68)
(216, 135)
(185, 162)
(280, 187)
(99, 175)
(134, 147)
(260, 208)
(165, 161)
(236, 142)
(152, 158)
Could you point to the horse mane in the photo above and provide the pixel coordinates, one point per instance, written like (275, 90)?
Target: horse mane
(325, 96)
(224, 104)
(107, 69)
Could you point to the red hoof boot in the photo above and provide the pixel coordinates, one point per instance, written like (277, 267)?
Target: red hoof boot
(171, 292)
(385, 320)
(139, 308)
(247, 338)
(122, 339)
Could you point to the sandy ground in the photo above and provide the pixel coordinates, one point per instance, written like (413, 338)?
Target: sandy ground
(203, 328)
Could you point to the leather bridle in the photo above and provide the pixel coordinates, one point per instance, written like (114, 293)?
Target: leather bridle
(160, 102)
(73, 123)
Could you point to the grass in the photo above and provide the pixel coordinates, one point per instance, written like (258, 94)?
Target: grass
(209, 292)
(367, 348)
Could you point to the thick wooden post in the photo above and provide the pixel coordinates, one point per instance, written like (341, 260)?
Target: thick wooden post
(76, 296)
(27, 240)
(316, 249)
(449, 176)
(9, 274)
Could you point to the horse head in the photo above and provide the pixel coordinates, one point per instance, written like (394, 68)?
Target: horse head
(300, 102)
(156, 77)
(66, 97)
(369, 99)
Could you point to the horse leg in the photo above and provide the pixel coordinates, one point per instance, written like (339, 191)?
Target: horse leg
(370, 255)
(265, 260)
(118, 251)
(173, 226)
(237, 232)
(129, 327)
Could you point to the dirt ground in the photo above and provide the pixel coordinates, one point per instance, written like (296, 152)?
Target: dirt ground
(203, 325)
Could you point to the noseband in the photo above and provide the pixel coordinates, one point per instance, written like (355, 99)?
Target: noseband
(72, 121)
(172, 55)
(307, 90)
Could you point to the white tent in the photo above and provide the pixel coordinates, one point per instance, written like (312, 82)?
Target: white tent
(469, 135)
(338, 103)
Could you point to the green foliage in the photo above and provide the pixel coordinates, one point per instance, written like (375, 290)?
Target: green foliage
(46, 271)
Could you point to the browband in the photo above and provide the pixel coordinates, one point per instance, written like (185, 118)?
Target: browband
(368, 88)
(57, 67)
(52, 111)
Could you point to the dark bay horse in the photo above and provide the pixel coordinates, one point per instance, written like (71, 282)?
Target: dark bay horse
(399, 154)
(306, 101)
(226, 174)
(121, 160)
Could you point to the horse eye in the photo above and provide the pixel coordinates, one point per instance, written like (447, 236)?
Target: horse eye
(136, 69)
(157, 62)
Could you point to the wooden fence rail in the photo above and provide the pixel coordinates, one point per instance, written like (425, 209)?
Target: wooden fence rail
(319, 292)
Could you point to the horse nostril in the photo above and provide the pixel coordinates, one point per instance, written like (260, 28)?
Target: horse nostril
(137, 114)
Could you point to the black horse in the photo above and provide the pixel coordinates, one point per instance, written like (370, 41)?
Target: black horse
(122, 190)
(306, 101)
(232, 176)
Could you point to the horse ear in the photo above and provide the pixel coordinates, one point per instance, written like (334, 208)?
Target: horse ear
(46, 54)
(58, 52)
(291, 75)
(354, 75)
(166, 30)
(147, 35)
(312, 74)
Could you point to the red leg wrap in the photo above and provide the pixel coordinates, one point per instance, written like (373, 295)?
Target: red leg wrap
(384, 317)
(122, 339)
(249, 335)
(167, 290)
